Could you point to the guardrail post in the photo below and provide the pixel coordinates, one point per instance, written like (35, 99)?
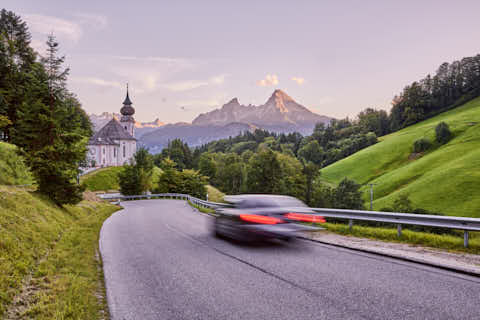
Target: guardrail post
(465, 238)
(350, 224)
(399, 230)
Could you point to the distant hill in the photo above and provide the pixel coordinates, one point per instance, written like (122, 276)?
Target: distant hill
(193, 135)
(445, 179)
(279, 114)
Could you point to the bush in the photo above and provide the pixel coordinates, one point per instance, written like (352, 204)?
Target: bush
(136, 177)
(421, 145)
(187, 181)
(443, 133)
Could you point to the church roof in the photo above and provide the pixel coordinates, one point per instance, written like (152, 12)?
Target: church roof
(127, 99)
(113, 130)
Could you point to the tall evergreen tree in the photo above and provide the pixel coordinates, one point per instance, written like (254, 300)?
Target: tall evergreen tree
(16, 60)
(52, 130)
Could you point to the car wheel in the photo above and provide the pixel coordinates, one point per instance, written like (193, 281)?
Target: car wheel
(217, 232)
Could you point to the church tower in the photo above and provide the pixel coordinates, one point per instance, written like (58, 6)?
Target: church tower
(127, 121)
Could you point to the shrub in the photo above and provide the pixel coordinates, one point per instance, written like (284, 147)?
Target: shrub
(421, 145)
(187, 181)
(136, 177)
(443, 133)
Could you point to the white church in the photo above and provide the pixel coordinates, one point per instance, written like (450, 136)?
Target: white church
(114, 144)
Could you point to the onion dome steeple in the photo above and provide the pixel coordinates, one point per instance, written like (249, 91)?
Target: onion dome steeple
(127, 109)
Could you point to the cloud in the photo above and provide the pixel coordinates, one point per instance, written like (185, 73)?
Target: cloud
(149, 73)
(47, 24)
(298, 80)
(71, 29)
(96, 20)
(212, 101)
(186, 63)
(220, 79)
(193, 84)
(98, 82)
(270, 80)
(185, 85)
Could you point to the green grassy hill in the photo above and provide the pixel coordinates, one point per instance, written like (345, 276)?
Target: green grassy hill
(446, 179)
(103, 179)
(106, 179)
(13, 170)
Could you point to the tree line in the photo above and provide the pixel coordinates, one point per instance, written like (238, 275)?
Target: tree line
(38, 113)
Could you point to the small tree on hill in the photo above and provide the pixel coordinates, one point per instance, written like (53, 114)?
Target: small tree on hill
(264, 173)
(443, 133)
(402, 204)
(136, 178)
(169, 180)
(311, 172)
(187, 181)
(347, 195)
(421, 145)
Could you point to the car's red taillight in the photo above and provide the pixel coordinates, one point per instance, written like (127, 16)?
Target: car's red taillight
(304, 217)
(260, 219)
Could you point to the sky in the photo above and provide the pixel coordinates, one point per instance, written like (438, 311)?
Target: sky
(183, 58)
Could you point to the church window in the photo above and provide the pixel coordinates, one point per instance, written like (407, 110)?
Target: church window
(103, 150)
(125, 127)
(124, 151)
(114, 152)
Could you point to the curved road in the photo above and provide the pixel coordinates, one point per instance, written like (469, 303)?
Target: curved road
(161, 262)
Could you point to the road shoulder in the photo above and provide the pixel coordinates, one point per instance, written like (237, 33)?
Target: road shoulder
(461, 262)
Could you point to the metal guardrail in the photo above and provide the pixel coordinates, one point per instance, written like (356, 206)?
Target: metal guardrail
(179, 196)
(459, 223)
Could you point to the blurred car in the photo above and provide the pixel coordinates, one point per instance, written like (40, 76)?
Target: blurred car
(260, 217)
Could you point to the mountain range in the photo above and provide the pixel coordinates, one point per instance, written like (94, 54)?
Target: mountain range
(98, 121)
(280, 113)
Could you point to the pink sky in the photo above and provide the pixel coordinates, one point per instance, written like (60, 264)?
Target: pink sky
(183, 58)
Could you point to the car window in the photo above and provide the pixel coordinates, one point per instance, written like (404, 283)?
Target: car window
(262, 202)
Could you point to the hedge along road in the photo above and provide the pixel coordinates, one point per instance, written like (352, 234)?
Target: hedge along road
(161, 262)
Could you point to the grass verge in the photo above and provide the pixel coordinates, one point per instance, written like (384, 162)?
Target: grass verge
(214, 194)
(49, 258)
(201, 209)
(106, 179)
(13, 170)
(445, 242)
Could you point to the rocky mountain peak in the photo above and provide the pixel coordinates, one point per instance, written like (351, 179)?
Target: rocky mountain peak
(279, 100)
(233, 101)
(279, 97)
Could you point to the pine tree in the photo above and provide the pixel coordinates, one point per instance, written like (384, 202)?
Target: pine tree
(16, 60)
(52, 129)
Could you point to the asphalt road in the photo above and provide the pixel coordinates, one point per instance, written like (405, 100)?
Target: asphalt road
(161, 262)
